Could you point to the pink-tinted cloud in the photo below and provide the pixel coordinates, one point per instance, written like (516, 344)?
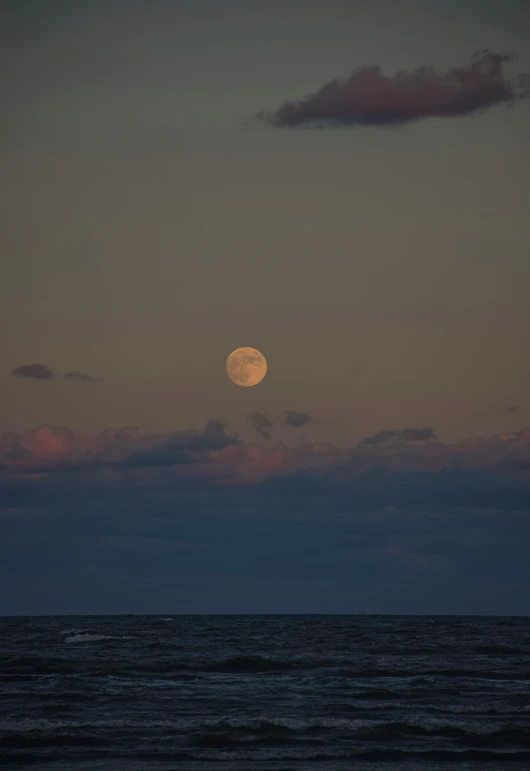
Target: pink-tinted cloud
(44, 444)
(217, 457)
(370, 98)
(55, 448)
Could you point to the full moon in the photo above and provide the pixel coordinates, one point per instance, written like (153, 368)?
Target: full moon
(246, 366)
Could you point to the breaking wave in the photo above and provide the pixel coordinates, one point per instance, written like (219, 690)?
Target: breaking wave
(89, 637)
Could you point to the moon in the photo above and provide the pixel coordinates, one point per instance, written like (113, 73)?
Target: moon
(246, 366)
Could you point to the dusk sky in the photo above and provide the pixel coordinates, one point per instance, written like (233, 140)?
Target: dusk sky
(344, 186)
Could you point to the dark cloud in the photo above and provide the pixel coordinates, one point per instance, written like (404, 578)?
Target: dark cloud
(370, 98)
(181, 448)
(405, 435)
(82, 377)
(261, 424)
(213, 437)
(43, 372)
(295, 419)
(35, 371)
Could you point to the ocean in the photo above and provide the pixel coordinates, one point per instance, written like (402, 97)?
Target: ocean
(270, 693)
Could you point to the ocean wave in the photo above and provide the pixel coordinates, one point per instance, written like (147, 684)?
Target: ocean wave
(28, 667)
(502, 758)
(259, 725)
(483, 708)
(89, 637)
(471, 674)
(241, 664)
(451, 756)
(451, 695)
(501, 650)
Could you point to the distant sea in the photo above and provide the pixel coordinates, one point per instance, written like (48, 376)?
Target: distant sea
(330, 693)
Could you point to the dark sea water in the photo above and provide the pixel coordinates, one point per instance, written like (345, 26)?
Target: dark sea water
(146, 693)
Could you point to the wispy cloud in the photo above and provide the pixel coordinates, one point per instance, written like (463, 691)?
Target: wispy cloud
(404, 435)
(82, 377)
(34, 371)
(261, 424)
(295, 419)
(44, 372)
(370, 98)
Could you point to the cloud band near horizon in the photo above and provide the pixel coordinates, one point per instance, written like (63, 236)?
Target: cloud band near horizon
(217, 457)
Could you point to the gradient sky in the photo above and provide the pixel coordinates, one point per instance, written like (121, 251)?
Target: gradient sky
(149, 226)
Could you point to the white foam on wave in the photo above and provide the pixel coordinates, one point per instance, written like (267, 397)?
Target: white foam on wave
(433, 724)
(88, 637)
(296, 724)
(275, 755)
(42, 724)
(120, 683)
(496, 708)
